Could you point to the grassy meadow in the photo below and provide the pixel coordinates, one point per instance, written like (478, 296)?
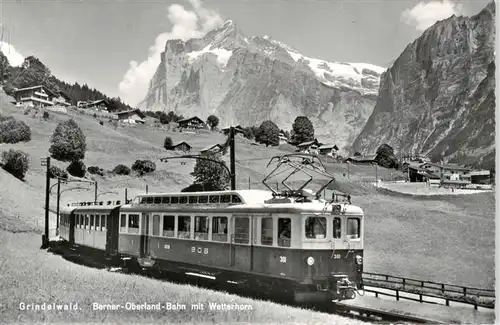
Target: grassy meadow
(447, 239)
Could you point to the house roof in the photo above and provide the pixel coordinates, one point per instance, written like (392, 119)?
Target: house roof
(35, 87)
(63, 94)
(328, 146)
(187, 144)
(136, 111)
(308, 143)
(186, 120)
(211, 147)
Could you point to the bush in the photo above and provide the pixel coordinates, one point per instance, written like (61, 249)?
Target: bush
(144, 167)
(77, 168)
(95, 170)
(101, 122)
(121, 170)
(167, 144)
(45, 115)
(68, 142)
(14, 131)
(198, 188)
(268, 134)
(15, 162)
(56, 172)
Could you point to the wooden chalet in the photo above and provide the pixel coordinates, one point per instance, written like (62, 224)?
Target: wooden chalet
(216, 148)
(192, 123)
(36, 96)
(132, 116)
(183, 146)
(361, 160)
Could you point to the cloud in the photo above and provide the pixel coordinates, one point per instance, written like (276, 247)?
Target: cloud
(186, 24)
(425, 14)
(15, 58)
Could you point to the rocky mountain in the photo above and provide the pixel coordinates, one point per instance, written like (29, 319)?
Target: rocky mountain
(247, 80)
(438, 97)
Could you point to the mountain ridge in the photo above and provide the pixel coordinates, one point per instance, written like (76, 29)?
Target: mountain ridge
(246, 80)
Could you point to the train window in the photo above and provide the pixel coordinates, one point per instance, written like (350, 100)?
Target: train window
(165, 200)
(219, 229)
(168, 226)
(225, 199)
(143, 200)
(157, 200)
(284, 232)
(174, 199)
(214, 199)
(193, 199)
(91, 221)
(133, 223)
(123, 222)
(337, 233)
(183, 200)
(266, 231)
(184, 227)
(315, 227)
(203, 199)
(236, 199)
(103, 222)
(97, 222)
(241, 230)
(86, 222)
(353, 229)
(156, 225)
(149, 200)
(201, 228)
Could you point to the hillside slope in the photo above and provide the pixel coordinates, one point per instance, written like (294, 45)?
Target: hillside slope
(246, 80)
(438, 97)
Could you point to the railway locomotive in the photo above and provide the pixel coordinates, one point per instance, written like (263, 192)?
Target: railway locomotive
(292, 241)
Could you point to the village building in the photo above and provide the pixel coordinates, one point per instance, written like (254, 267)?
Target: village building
(192, 123)
(36, 96)
(216, 148)
(480, 176)
(133, 116)
(62, 100)
(328, 150)
(282, 139)
(237, 129)
(183, 146)
(309, 146)
(361, 160)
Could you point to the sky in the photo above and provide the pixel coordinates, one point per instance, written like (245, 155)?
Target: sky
(115, 45)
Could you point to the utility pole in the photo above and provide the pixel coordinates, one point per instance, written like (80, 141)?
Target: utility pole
(45, 237)
(58, 199)
(126, 199)
(232, 157)
(95, 192)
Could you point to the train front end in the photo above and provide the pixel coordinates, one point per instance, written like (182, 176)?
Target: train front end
(332, 254)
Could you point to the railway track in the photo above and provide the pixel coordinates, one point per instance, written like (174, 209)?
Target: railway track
(341, 308)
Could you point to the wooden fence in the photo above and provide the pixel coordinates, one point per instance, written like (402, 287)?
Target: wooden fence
(447, 292)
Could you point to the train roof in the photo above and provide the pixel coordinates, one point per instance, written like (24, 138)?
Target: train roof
(246, 196)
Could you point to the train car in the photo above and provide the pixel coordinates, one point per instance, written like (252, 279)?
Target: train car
(312, 247)
(90, 227)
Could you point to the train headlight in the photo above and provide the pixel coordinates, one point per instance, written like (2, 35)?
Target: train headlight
(359, 259)
(310, 261)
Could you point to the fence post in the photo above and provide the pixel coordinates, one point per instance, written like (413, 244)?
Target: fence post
(442, 288)
(146, 189)
(397, 295)
(465, 291)
(404, 283)
(447, 302)
(420, 296)
(249, 183)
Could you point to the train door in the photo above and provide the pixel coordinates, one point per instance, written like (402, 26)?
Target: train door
(71, 235)
(241, 245)
(144, 246)
(112, 226)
